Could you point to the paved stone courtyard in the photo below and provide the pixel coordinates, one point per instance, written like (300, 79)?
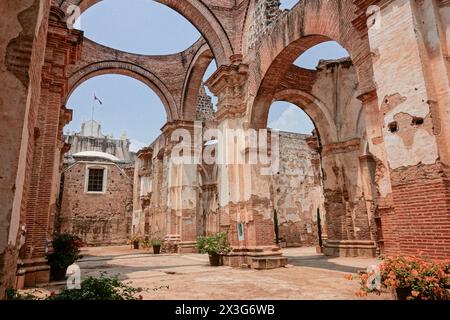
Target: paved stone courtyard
(309, 276)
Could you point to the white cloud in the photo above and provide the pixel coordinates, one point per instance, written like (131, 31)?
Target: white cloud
(293, 119)
(137, 145)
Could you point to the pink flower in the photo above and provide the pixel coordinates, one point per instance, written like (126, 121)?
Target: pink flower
(415, 294)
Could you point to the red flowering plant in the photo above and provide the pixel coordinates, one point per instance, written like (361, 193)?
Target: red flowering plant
(65, 250)
(414, 278)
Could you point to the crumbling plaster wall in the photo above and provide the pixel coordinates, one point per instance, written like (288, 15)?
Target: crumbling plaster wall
(414, 114)
(23, 32)
(297, 191)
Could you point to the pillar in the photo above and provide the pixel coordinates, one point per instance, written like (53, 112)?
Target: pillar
(183, 150)
(413, 101)
(62, 48)
(245, 206)
(22, 44)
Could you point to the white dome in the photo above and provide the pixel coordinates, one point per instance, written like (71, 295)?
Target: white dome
(95, 154)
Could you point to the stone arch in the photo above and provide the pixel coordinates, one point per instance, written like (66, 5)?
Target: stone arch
(126, 69)
(195, 11)
(314, 108)
(194, 80)
(309, 23)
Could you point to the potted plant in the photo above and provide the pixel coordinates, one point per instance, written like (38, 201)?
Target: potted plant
(156, 244)
(215, 246)
(136, 241)
(65, 252)
(410, 278)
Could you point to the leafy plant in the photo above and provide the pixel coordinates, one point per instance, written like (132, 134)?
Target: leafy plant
(156, 242)
(422, 279)
(103, 288)
(66, 250)
(215, 244)
(12, 294)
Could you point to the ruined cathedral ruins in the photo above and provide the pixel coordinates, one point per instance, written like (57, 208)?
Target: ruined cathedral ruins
(374, 175)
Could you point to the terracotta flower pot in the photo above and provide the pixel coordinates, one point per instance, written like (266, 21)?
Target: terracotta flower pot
(402, 293)
(156, 249)
(214, 260)
(58, 273)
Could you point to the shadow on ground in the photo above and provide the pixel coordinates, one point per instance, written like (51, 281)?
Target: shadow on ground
(321, 262)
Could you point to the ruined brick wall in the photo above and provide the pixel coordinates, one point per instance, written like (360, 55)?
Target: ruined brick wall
(297, 191)
(99, 219)
(205, 109)
(23, 33)
(263, 15)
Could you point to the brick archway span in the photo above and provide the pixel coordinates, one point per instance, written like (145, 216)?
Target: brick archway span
(193, 81)
(309, 23)
(196, 12)
(126, 69)
(314, 108)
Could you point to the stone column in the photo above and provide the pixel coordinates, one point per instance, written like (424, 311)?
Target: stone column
(409, 43)
(182, 154)
(63, 48)
(246, 211)
(349, 223)
(23, 32)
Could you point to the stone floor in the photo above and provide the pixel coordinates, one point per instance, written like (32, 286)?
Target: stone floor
(309, 275)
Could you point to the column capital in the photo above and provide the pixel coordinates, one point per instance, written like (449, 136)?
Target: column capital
(229, 84)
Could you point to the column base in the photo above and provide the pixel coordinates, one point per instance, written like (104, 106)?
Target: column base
(187, 247)
(350, 248)
(259, 258)
(171, 243)
(32, 272)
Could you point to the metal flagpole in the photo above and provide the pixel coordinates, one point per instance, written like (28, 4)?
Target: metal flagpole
(92, 118)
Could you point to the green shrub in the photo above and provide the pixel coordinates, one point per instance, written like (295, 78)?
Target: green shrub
(216, 244)
(156, 242)
(12, 294)
(103, 288)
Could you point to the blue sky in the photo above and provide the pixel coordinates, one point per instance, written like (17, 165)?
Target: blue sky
(147, 27)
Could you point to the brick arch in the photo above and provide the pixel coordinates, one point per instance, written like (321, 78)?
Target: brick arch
(194, 80)
(126, 69)
(314, 108)
(308, 24)
(196, 12)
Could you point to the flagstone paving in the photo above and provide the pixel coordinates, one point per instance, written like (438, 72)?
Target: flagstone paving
(189, 276)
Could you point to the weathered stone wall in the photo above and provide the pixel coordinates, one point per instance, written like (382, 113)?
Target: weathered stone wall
(23, 34)
(205, 109)
(99, 219)
(93, 140)
(414, 112)
(297, 191)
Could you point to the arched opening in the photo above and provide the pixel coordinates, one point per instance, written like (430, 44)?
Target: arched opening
(318, 76)
(195, 11)
(135, 27)
(114, 117)
(288, 117)
(329, 50)
(198, 102)
(297, 188)
(209, 71)
(288, 4)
